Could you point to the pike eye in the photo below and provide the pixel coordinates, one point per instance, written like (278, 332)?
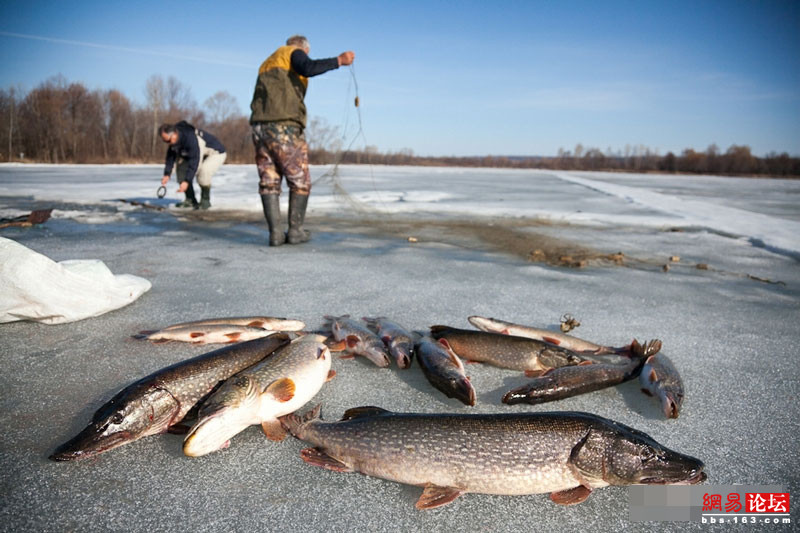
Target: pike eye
(117, 418)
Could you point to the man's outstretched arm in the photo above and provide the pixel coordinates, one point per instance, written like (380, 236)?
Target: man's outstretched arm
(305, 66)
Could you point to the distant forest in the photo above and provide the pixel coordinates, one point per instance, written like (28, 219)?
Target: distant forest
(62, 122)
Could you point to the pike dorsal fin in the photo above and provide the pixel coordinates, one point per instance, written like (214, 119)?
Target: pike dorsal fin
(365, 411)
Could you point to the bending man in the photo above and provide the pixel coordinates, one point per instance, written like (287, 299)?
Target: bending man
(198, 153)
(278, 119)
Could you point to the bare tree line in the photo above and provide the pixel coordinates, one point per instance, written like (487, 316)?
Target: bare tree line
(59, 122)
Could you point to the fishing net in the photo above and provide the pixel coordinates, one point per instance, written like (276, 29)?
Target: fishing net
(332, 177)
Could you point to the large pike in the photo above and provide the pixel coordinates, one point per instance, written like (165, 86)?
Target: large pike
(506, 351)
(260, 394)
(569, 381)
(264, 322)
(565, 454)
(660, 378)
(358, 339)
(156, 402)
(495, 325)
(444, 370)
(396, 338)
(205, 334)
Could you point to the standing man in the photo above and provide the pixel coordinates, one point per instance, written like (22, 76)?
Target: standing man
(278, 118)
(198, 152)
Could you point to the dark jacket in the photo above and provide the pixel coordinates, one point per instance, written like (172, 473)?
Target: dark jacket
(188, 149)
(281, 85)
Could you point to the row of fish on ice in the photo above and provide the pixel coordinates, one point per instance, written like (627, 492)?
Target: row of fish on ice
(265, 380)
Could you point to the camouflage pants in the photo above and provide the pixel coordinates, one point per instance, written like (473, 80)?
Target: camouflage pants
(281, 150)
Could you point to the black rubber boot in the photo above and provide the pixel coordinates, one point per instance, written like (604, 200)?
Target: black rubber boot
(205, 197)
(272, 212)
(190, 200)
(297, 213)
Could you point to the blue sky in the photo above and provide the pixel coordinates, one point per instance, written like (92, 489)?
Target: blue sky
(455, 78)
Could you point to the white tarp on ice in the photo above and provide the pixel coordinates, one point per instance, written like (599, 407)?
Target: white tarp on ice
(34, 287)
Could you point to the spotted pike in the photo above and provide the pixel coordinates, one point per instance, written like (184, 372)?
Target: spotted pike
(159, 401)
(565, 454)
(444, 370)
(506, 351)
(276, 386)
(661, 379)
(358, 339)
(263, 322)
(568, 381)
(205, 334)
(495, 325)
(396, 338)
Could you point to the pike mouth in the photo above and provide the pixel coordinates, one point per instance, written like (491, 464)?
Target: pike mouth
(693, 479)
(82, 447)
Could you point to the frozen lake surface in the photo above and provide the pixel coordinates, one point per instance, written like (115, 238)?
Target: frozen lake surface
(730, 329)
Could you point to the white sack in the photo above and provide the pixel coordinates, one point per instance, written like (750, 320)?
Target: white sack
(34, 287)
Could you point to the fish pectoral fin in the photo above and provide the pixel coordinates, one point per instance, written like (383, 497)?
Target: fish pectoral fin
(273, 430)
(336, 346)
(196, 334)
(352, 341)
(331, 375)
(435, 496)
(234, 336)
(551, 340)
(360, 412)
(281, 389)
(652, 377)
(316, 457)
(571, 496)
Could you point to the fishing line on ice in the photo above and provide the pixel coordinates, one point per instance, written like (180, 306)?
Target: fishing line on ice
(332, 175)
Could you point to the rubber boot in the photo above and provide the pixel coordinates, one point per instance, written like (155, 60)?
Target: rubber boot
(297, 213)
(272, 212)
(190, 200)
(205, 197)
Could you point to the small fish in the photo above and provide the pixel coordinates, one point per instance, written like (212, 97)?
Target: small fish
(260, 394)
(205, 334)
(506, 351)
(568, 381)
(495, 325)
(263, 322)
(444, 370)
(565, 454)
(358, 340)
(660, 378)
(396, 338)
(160, 401)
